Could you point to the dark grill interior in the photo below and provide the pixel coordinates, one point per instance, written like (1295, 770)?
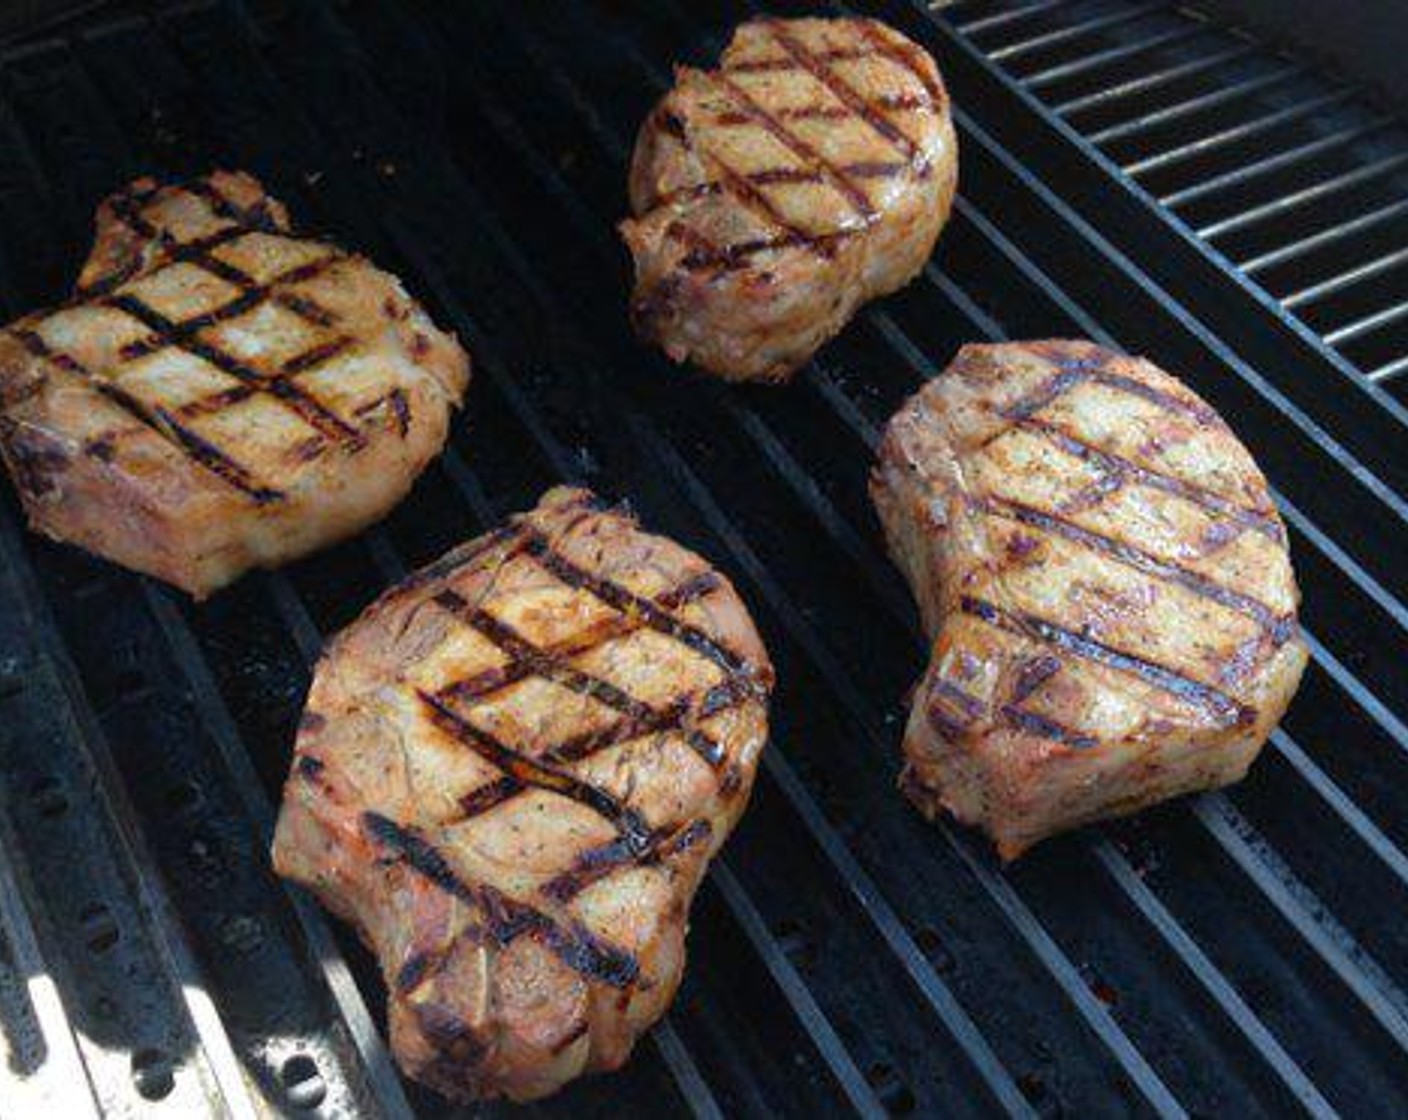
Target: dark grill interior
(1297, 178)
(1241, 953)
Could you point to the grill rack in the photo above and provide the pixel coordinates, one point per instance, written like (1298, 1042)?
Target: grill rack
(1201, 120)
(291, 93)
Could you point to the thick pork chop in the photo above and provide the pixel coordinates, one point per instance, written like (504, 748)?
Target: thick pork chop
(510, 776)
(1106, 582)
(810, 172)
(220, 394)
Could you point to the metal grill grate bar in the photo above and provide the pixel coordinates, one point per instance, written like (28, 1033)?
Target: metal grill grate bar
(1297, 906)
(1044, 78)
(1194, 105)
(56, 1081)
(1078, 30)
(1208, 975)
(1013, 15)
(1306, 142)
(171, 963)
(1346, 279)
(858, 1091)
(1287, 203)
(1237, 133)
(1366, 325)
(1370, 834)
(1166, 76)
(1324, 237)
(1390, 369)
(1278, 162)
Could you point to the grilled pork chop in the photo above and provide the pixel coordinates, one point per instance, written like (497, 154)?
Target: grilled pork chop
(510, 776)
(810, 172)
(220, 394)
(1105, 580)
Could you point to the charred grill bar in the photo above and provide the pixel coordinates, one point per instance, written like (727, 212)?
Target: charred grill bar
(1239, 954)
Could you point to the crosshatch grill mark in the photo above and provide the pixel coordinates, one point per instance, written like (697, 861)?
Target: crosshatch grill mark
(279, 384)
(847, 179)
(1025, 413)
(637, 843)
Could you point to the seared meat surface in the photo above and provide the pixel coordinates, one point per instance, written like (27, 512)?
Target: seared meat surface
(220, 394)
(511, 774)
(810, 172)
(1106, 582)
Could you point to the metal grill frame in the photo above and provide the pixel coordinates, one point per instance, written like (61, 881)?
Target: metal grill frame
(292, 88)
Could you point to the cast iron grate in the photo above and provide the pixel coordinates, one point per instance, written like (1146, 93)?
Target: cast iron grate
(1296, 179)
(1238, 953)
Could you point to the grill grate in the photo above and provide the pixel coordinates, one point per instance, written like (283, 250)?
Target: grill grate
(1254, 152)
(1236, 954)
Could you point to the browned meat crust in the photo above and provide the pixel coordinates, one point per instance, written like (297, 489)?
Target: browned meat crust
(510, 776)
(810, 172)
(220, 394)
(1106, 581)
